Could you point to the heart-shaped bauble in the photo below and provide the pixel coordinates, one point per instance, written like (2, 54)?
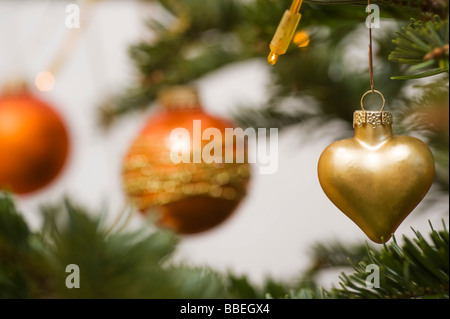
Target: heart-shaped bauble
(376, 178)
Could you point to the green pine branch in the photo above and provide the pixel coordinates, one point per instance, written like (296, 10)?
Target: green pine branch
(209, 35)
(138, 264)
(206, 36)
(114, 265)
(427, 116)
(425, 46)
(326, 256)
(271, 116)
(439, 7)
(419, 268)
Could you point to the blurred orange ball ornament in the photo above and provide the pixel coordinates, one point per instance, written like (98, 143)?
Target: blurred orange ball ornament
(34, 142)
(189, 197)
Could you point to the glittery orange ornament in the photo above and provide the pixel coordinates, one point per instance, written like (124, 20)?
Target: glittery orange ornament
(34, 141)
(188, 197)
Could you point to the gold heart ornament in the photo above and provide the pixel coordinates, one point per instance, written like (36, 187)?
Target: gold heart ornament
(376, 178)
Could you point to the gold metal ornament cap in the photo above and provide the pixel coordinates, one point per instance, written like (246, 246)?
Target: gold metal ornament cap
(374, 118)
(179, 97)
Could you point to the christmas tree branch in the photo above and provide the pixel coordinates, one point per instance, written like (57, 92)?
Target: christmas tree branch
(416, 269)
(419, 268)
(208, 35)
(427, 116)
(425, 46)
(137, 264)
(428, 7)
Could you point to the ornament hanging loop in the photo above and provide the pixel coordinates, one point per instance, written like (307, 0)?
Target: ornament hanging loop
(374, 91)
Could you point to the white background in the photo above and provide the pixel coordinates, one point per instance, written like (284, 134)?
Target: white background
(284, 213)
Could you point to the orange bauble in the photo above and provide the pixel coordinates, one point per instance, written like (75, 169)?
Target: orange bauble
(187, 197)
(33, 142)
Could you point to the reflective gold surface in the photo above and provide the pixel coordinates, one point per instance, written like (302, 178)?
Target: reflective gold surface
(376, 178)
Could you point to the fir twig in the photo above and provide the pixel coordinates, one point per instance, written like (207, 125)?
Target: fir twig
(425, 46)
